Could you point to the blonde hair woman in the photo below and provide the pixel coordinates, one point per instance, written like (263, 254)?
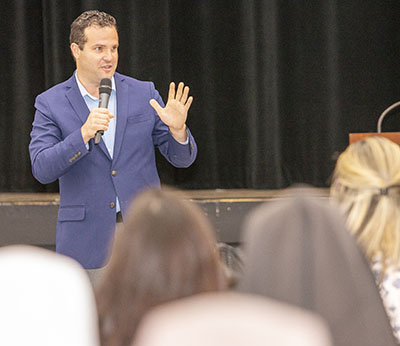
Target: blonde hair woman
(366, 185)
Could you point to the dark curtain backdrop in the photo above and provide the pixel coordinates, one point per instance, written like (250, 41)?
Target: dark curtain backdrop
(277, 85)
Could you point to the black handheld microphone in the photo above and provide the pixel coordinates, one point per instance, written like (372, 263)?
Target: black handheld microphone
(104, 96)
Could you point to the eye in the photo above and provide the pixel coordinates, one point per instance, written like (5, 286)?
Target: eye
(98, 49)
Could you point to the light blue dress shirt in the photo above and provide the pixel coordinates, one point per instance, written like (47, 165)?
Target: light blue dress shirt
(109, 135)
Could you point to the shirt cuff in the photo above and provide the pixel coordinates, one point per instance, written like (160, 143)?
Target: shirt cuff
(187, 139)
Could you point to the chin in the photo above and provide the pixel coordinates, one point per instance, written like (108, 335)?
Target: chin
(107, 75)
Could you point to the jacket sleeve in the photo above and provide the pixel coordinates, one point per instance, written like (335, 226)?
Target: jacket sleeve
(51, 154)
(179, 155)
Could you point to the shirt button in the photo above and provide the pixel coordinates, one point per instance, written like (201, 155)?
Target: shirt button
(114, 173)
(112, 205)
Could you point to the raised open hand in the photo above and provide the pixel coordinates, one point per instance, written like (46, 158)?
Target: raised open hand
(174, 114)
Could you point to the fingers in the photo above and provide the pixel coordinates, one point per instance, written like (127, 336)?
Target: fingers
(156, 105)
(188, 103)
(101, 116)
(179, 92)
(102, 111)
(98, 119)
(185, 94)
(171, 93)
(182, 92)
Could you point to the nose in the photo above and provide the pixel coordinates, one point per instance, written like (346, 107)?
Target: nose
(108, 55)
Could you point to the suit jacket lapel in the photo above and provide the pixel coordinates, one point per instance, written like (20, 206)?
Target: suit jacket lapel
(79, 106)
(122, 112)
(76, 100)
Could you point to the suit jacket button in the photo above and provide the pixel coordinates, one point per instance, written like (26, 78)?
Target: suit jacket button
(114, 173)
(112, 205)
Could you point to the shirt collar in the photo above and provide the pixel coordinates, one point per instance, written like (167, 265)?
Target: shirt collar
(83, 90)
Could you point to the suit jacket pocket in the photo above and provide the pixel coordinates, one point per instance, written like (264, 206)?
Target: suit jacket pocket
(138, 118)
(73, 213)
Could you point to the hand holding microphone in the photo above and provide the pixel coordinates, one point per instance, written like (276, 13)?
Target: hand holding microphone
(99, 118)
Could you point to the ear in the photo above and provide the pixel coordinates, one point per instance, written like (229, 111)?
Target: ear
(75, 50)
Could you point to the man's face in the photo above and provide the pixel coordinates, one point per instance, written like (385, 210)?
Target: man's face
(99, 57)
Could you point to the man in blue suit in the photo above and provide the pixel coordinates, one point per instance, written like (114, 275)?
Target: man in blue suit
(98, 182)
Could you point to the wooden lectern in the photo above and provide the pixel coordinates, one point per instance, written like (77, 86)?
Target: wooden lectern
(393, 136)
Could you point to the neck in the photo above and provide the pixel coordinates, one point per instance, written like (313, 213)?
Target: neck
(91, 87)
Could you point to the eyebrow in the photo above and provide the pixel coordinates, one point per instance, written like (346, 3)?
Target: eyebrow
(103, 45)
(98, 45)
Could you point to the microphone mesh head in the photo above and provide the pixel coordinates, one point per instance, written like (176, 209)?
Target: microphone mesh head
(105, 86)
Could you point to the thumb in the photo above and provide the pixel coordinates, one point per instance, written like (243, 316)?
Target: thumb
(156, 106)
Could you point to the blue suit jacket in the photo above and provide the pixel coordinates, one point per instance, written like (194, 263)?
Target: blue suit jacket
(89, 179)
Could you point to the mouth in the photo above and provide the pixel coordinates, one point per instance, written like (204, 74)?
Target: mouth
(107, 68)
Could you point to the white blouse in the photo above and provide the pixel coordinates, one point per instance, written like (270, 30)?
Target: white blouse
(389, 289)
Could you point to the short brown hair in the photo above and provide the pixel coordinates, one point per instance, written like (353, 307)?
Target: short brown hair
(86, 19)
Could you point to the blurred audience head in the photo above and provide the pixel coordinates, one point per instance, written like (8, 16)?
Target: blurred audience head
(366, 185)
(230, 319)
(297, 250)
(46, 299)
(166, 251)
